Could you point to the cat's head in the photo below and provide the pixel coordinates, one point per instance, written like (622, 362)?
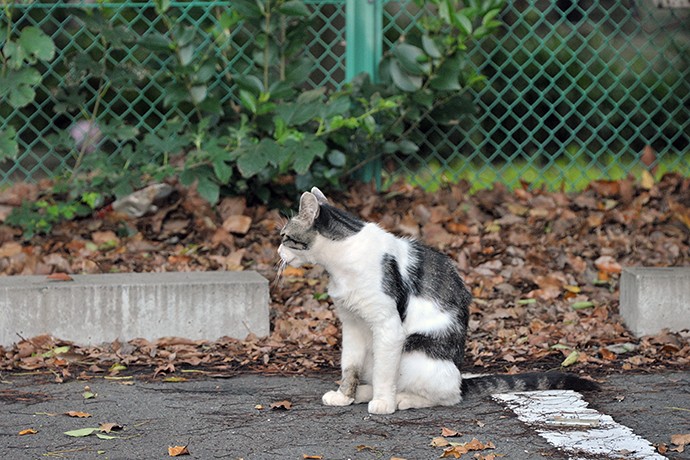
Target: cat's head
(308, 236)
(299, 234)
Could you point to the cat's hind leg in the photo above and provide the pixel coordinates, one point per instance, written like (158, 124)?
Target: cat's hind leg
(413, 401)
(364, 394)
(427, 382)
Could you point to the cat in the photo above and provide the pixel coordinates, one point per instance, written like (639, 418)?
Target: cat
(404, 311)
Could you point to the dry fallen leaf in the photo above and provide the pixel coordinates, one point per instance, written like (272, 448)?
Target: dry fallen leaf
(314, 457)
(293, 272)
(439, 441)
(237, 224)
(59, 277)
(108, 427)
(281, 405)
(680, 441)
(608, 264)
(449, 433)
(178, 451)
(487, 456)
(496, 229)
(77, 414)
(459, 450)
(647, 180)
(27, 431)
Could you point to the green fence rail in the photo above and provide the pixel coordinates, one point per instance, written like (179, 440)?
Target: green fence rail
(575, 90)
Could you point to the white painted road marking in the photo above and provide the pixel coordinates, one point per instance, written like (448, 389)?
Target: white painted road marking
(564, 420)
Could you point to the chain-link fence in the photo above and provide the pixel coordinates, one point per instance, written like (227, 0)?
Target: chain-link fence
(575, 90)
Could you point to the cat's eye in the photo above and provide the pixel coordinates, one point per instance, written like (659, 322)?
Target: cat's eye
(296, 244)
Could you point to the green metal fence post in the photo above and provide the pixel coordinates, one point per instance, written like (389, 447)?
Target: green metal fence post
(364, 37)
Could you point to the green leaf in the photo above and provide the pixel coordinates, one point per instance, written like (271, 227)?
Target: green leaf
(15, 54)
(425, 98)
(250, 83)
(408, 147)
(281, 90)
(489, 16)
(117, 367)
(582, 305)
(82, 432)
(248, 100)
(307, 151)
(402, 80)
(155, 42)
(91, 199)
(185, 55)
(253, 159)
(314, 95)
(430, 47)
(447, 76)
(36, 44)
(56, 351)
(221, 169)
(298, 71)
(337, 158)
(18, 86)
(198, 93)
(571, 359)
(9, 148)
(297, 114)
(463, 23)
(294, 8)
(205, 72)
(445, 9)
(184, 35)
(105, 436)
(338, 106)
(21, 95)
(208, 189)
(174, 94)
(161, 6)
(411, 59)
(526, 301)
(247, 8)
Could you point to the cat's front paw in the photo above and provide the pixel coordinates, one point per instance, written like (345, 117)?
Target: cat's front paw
(336, 398)
(381, 406)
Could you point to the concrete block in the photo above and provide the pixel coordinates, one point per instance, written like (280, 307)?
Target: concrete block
(93, 309)
(652, 299)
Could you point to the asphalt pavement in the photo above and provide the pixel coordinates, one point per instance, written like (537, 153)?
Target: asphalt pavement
(232, 418)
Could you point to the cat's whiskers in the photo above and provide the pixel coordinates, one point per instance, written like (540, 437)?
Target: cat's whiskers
(279, 267)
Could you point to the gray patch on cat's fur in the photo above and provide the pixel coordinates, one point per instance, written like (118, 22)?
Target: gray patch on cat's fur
(430, 275)
(336, 224)
(318, 218)
(297, 235)
(393, 284)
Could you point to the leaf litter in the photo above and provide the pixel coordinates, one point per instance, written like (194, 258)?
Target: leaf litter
(543, 268)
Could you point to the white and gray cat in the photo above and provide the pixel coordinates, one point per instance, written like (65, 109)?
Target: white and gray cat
(404, 312)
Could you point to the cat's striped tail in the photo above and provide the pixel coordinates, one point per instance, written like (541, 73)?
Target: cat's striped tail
(531, 381)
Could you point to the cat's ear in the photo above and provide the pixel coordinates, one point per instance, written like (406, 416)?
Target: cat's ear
(320, 197)
(308, 207)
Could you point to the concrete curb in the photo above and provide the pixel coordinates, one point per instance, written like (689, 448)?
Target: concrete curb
(91, 309)
(652, 299)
